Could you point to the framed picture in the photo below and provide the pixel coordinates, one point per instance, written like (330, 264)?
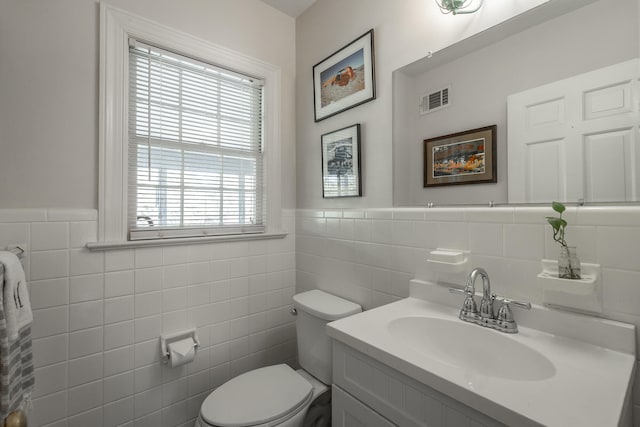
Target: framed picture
(467, 157)
(344, 79)
(341, 163)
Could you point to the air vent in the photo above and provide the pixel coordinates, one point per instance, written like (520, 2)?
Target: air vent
(434, 101)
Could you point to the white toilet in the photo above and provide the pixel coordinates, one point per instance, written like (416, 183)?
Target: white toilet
(277, 395)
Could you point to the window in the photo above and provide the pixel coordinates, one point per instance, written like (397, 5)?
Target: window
(195, 147)
(189, 137)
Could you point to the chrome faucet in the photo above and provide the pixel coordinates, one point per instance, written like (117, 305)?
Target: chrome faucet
(502, 321)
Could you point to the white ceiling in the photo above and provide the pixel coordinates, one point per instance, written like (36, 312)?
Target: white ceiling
(292, 8)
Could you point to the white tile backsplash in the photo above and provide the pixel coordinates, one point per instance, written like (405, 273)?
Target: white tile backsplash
(97, 315)
(391, 246)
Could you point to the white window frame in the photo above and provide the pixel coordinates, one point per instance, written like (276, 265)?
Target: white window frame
(116, 26)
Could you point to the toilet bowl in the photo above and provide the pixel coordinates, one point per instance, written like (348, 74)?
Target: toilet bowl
(278, 396)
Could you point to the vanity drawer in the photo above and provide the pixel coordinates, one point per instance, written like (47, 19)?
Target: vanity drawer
(350, 412)
(399, 398)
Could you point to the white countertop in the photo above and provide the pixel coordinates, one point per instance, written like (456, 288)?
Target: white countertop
(592, 379)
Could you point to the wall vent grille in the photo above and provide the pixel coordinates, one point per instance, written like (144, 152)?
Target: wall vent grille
(434, 101)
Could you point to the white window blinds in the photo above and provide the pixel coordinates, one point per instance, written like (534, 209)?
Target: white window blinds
(195, 147)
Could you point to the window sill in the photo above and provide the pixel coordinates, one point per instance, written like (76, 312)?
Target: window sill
(108, 246)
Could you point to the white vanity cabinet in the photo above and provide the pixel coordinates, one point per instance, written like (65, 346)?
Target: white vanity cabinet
(347, 411)
(415, 363)
(362, 383)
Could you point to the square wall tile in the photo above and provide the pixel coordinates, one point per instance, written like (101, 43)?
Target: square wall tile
(91, 418)
(49, 350)
(118, 335)
(85, 397)
(117, 387)
(621, 291)
(147, 328)
(49, 408)
(85, 342)
(118, 309)
(148, 257)
(119, 260)
(81, 233)
(50, 379)
(119, 283)
(49, 265)
(148, 279)
(524, 241)
(85, 315)
(49, 293)
(618, 247)
(50, 321)
(118, 412)
(486, 239)
(175, 255)
(148, 304)
(86, 288)
(84, 261)
(85, 369)
(147, 377)
(49, 236)
(118, 361)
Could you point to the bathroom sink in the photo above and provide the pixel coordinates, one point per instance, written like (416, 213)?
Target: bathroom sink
(479, 350)
(561, 368)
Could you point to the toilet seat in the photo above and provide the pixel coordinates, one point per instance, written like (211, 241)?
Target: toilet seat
(258, 397)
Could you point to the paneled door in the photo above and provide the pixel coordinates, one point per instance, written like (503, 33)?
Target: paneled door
(576, 138)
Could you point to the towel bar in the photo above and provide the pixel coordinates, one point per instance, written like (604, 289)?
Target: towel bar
(16, 250)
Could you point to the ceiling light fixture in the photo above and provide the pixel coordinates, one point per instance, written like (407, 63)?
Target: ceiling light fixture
(458, 7)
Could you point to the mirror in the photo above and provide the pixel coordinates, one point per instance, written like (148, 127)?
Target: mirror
(475, 79)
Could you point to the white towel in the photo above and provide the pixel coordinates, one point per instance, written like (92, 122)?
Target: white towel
(17, 307)
(16, 366)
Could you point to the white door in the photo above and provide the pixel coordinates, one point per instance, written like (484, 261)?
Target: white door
(576, 138)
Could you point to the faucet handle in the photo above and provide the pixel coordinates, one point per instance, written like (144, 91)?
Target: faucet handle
(464, 291)
(469, 308)
(521, 304)
(504, 313)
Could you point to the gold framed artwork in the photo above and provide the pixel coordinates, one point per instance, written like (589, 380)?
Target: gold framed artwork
(467, 157)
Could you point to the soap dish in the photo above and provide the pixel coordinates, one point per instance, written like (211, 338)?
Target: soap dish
(447, 261)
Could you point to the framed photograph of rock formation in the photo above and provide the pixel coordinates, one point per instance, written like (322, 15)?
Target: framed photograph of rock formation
(341, 175)
(467, 157)
(344, 79)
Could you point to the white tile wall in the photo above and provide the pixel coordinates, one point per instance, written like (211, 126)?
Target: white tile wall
(369, 256)
(98, 315)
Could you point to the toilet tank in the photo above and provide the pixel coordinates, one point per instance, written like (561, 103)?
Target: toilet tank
(315, 309)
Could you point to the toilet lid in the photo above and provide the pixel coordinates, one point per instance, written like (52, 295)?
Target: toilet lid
(256, 397)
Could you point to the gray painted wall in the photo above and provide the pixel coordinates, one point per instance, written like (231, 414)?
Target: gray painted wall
(49, 72)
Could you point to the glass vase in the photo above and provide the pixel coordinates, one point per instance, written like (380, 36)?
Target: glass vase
(568, 263)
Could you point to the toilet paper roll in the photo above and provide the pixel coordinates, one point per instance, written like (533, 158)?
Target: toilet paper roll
(181, 352)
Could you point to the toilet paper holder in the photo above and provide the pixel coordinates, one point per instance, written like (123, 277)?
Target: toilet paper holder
(165, 340)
